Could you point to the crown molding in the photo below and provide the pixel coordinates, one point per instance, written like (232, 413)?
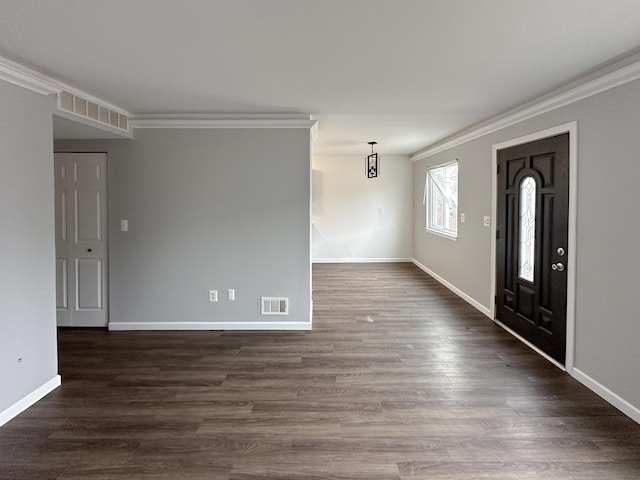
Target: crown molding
(24, 77)
(93, 124)
(600, 84)
(223, 121)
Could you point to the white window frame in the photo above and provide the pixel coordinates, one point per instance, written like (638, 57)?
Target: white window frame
(430, 190)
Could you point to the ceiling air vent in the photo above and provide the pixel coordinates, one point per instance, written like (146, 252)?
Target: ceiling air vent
(77, 105)
(275, 306)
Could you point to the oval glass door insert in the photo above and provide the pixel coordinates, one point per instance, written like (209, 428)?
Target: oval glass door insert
(527, 229)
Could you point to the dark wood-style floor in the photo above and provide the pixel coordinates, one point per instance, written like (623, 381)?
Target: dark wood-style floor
(399, 379)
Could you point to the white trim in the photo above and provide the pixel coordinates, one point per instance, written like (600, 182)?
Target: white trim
(613, 398)
(572, 246)
(74, 117)
(91, 98)
(21, 405)
(86, 324)
(224, 121)
(37, 82)
(315, 130)
(530, 345)
(26, 78)
(441, 234)
(601, 84)
(22, 76)
(453, 288)
(569, 127)
(442, 164)
(429, 181)
(362, 260)
(310, 225)
(120, 326)
(572, 129)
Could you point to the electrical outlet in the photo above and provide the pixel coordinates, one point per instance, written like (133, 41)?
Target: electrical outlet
(231, 294)
(462, 218)
(487, 221)
(213, 295)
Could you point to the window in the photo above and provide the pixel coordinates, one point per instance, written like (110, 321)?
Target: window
(441, 199)
(527, 228)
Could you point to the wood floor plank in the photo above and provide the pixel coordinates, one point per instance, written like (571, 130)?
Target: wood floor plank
(400, 379)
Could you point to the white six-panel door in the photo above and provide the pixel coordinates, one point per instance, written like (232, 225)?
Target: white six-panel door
(81, 239)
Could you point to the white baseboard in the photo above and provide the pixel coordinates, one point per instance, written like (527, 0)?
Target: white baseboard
(21, 405)
(454, 289)
(361, 260)
(120, 326)
(613, 398)
(98, 324)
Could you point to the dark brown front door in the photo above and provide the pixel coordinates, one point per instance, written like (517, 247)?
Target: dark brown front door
(533, 212)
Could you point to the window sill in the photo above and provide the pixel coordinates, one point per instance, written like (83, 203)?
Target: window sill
(442, 234)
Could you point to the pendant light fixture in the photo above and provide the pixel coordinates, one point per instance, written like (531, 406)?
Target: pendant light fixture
(372, 162)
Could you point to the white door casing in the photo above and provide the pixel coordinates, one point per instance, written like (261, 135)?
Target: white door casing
(572, 129)
(81, 239)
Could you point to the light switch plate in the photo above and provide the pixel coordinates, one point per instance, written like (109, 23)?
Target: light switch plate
(124, 225)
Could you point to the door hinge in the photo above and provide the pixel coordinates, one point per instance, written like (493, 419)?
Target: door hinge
(498, 168)
(495, 299)
(497, 234)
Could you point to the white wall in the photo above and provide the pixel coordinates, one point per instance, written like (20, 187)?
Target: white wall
(608, 259)
(27, 250)
(357, 218)
(207, 209)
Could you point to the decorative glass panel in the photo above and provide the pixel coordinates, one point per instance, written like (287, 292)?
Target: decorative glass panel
(527, 228)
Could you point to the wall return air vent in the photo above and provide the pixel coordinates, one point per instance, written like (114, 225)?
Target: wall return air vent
(77, 105)
(275, 306)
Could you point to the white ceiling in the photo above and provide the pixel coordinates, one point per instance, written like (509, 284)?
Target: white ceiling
(405, 73)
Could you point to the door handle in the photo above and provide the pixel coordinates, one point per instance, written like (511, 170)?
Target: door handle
(558, 266)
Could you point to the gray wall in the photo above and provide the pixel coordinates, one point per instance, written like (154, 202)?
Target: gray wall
(207, 209)
(27, 248)
(464, 262)
(608, 258)
(355, 217)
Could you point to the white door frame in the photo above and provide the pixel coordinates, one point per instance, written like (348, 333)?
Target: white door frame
(105, 242)
(572, 129)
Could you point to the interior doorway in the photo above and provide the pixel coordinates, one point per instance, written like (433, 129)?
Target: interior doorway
(81, 239)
